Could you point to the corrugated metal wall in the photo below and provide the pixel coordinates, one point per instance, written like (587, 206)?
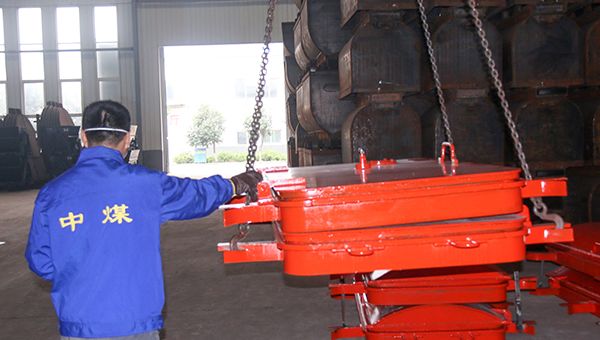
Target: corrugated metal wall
(190, 24)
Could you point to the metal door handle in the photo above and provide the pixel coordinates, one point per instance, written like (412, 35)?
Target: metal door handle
(464, 244)
(366, 250)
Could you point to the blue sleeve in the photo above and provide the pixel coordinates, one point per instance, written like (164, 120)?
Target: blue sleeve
(38, 252)
(184, 198)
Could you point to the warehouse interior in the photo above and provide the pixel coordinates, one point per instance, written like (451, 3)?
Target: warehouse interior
(439, 174)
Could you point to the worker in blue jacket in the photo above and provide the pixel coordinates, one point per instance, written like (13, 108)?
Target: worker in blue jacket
(95, 231)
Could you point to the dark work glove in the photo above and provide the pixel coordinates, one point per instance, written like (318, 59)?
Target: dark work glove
(245, 183)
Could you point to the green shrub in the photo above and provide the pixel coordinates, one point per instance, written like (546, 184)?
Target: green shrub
(270, 155)
(184, 158)
(231, 156)
(228, 156)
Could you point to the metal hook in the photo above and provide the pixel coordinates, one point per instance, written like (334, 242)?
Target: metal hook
(243, 230)
(542, 213)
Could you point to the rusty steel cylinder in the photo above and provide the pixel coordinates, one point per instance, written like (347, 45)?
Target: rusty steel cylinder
(313, 157)
(293, 73)
(477, 129)
(317, 33)
(551, 129)
(37, 168)
(458, 53)
(349, 8)
(421, 102)
(291, 110)
(596, 138)
(583, 202)
(590, 25)
(287, 34)
(384, 55)
(382, 131)
(54, 115)
(59, 139)
(542, 49)
(292, 153)
(588, 102)
(14, 151)
(595, 205)
(319, 109)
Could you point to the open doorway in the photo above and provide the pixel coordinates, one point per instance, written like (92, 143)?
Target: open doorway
(210, 94)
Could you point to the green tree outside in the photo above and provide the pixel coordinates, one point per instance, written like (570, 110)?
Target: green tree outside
(265, 129)
(207, 128)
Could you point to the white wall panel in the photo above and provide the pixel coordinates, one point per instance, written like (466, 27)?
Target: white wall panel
(191, 24)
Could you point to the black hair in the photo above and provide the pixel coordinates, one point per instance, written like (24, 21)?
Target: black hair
(105, 114)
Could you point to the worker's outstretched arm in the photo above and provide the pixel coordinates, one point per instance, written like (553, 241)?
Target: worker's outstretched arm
(38, 252)
(185, 198)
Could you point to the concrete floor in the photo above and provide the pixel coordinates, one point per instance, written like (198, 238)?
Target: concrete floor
(208, 300)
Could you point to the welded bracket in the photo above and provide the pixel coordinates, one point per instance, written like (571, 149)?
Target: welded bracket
(265, 251)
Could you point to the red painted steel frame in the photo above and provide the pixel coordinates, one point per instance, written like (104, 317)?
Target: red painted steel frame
(580, 291)
(441, 321)
(265, 251)
(583, 254)
(461, 285)
(474, 242)
(578, 281)
(330, 228)
(437, 297)
(359, 206)
(342, 220)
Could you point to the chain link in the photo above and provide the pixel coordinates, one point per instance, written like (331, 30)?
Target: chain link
(434, 70)
(260, 92)
(539, 207)
(244, 229)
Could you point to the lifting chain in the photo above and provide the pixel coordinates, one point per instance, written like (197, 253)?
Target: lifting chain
(539, 207)
(518, 300)
(244, 229)
(260, 92)
(434, 70)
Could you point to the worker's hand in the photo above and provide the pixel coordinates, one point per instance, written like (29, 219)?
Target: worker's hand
(245, 183)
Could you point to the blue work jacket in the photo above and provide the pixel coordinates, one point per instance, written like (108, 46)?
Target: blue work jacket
(95, 235)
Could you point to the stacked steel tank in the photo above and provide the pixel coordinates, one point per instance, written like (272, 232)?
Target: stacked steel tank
(477, 126)
(29, 157)
(58, 138)
(20, 159)
(543, 50)
(583, 203)
(358, 77)
(315, 39)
